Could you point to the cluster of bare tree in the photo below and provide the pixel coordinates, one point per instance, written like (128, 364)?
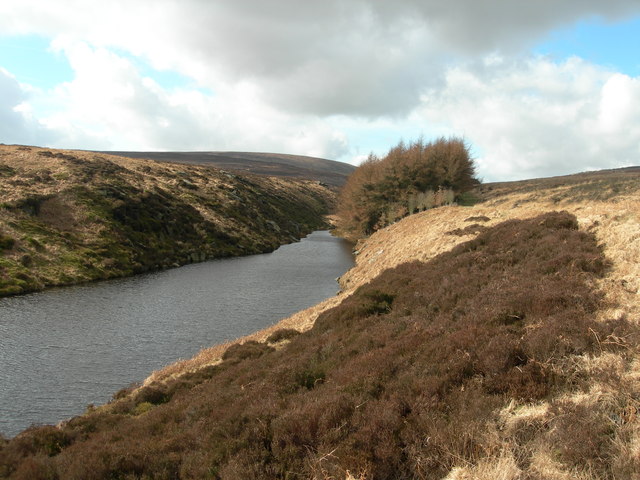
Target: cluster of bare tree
(409, 179)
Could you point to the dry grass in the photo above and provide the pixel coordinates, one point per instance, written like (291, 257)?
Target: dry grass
(423, 236)
(571, 412)
(503, 467)
(612, 378)
(75, 216)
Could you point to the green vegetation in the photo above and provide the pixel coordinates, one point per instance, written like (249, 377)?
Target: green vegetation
(74, 216)
(6, 242)
(407, 180)
(402, 380)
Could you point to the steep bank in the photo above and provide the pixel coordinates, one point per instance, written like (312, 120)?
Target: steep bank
(606, 203)
(494, 341)
(68, 217)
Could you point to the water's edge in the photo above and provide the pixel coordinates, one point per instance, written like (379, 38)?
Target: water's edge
(65, 348)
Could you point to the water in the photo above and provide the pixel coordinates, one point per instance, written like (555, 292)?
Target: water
(65, 348)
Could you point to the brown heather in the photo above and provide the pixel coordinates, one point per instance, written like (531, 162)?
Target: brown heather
(503, 352)
(408, 179)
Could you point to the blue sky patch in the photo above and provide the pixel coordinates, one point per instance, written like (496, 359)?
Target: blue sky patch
(612, 45)
(167, 79)
(30, 60)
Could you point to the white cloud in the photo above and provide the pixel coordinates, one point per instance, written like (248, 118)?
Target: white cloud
(17, 126)
(331, 57)
(619, 103)
(538, 118)
(121, 109)
(317, 78)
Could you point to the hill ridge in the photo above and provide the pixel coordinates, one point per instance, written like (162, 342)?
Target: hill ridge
(72, 216)
(298, 166)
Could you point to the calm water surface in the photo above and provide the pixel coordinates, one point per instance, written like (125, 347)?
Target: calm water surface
(63, 349)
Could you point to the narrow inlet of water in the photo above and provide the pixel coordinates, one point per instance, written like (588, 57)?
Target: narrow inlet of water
(65, 348)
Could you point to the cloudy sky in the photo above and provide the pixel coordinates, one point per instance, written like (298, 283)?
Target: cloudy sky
(537, 88)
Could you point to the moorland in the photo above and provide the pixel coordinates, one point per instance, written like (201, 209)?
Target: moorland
(495, 338)
(68, 217)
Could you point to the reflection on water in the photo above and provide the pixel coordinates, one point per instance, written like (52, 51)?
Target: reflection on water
(63, 349)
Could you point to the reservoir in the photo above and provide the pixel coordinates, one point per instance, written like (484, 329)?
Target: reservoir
(66, 348)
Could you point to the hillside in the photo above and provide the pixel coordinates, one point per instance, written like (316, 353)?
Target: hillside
(283, 165)
(68, 216)
(492, 341)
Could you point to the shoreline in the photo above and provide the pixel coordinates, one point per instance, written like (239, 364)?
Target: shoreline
(421, 237)
(72, 217)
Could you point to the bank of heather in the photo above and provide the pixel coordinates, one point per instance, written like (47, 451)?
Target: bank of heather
(493, 341)
(70, 216)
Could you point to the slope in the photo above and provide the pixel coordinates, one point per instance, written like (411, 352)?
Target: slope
(493, 341)
(284, 165)
(68, 216)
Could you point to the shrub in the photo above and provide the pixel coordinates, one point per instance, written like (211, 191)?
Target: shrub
(310, 378)
(377, 302)
(282, 334)
(126, 391)
(47, 441)
(6, 242)
(143, 407)
(154, 394)
(478, 218)
(248, 349)
(400, 380)
(407, 180)
(468, 230)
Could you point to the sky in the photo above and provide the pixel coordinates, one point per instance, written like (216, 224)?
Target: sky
(536, 88)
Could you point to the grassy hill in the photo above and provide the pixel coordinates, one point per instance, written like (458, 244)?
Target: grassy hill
(283, 165)
(69, 216)
(493, 341)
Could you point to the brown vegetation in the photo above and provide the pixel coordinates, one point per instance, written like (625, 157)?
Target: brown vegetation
(606, 204)
(407, 180)
(272, 164)
(432, 368)
(507, 352)
(68, 217)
